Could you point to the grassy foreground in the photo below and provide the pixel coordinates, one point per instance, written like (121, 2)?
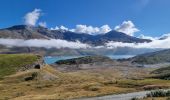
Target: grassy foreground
(48, 83)
(9, 63)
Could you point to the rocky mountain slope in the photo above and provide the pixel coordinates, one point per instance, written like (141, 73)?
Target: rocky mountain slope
(30, 32)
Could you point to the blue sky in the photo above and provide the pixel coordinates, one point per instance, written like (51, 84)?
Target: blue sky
(151, 17)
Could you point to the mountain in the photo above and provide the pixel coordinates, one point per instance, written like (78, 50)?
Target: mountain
(30, 32)
(162, 56)
(21, 32)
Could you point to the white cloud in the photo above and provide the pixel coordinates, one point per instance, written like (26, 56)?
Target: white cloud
(55, 28)
(32, 17)
(162, 37)
(127, 27)
(63, 28)
(57, 43)
(52, 43)
(156, 43)
(165, 36)
(147, 37)
(43, 24)
(60, 28)
(105, 29)
(91, 30)
(86, 29)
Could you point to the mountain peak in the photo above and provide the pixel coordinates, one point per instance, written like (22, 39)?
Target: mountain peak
(39, 32)
(18, 27)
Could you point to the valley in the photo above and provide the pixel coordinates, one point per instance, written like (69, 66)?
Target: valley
(84, 50)
(75, 78)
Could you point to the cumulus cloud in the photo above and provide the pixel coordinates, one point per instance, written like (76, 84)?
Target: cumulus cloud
(127, 27)
(32, 17)
(42, 24)
(60, 28)
(105, 29)
(86, 29)
(53, 43)
(91, 30)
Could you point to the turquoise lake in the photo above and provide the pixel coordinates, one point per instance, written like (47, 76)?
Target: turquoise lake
(51, 60)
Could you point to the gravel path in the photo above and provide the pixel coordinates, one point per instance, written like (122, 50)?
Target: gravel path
(127, 96)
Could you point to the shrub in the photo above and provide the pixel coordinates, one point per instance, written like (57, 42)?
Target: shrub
(159, 93)
(32, 77)
(94, 88)
(135, 98)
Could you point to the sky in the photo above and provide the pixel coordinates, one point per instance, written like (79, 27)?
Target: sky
(135, 17)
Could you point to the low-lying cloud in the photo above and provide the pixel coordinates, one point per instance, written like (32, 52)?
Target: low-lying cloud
(52, 43)
(57, 43)
(156, 43)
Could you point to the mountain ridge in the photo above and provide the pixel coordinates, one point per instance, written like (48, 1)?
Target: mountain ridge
(31, 32)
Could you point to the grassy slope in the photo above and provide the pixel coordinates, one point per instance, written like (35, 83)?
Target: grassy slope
(162, 70)
(68, 85)
(9, 63)
(84, 60)
(153, 58)
(162, 73)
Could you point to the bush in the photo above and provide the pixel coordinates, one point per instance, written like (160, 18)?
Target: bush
(159, 93)
(94, 88)
(32, 77)
(135, 98)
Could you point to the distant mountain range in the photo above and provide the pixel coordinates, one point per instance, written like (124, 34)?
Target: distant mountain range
(30, 32)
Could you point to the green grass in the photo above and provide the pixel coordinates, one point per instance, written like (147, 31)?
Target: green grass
(162, 70)
(162, 73)
(9, 63)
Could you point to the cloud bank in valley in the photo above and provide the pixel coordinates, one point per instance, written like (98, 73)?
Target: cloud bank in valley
(52, 43)
(162, 42)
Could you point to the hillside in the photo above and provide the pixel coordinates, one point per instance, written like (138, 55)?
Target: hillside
(162, 73)
(11, 63)
(51, 83)
(162, 56)
(84, 60)
(30, 32)
(162, 70)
